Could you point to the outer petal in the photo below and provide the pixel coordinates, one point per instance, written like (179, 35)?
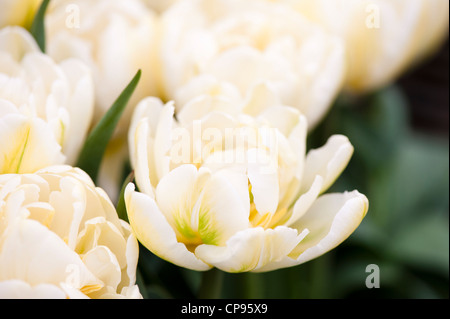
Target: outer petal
(331, 219)
(18, 289)
(222, 210)
(251, 249)
(33, 253)
(17, 41)
(27, 145)
(163, 141)
(81, 107)
(328, 161)
(155, 233)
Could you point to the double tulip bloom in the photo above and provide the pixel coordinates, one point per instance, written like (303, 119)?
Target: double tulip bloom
(241, 44)
(45, 107)
(235, 190)
(60, 237)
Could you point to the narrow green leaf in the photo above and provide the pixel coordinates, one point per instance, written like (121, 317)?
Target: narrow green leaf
(37, 29)
(121, 209)
(93, 149)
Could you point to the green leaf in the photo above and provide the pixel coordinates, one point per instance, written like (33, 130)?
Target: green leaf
(37, 29)
(121, 209)
(423, 243)
(95, 145)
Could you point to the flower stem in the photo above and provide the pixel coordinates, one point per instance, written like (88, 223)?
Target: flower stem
(211, 284)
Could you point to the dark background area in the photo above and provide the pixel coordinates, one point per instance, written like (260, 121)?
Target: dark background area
(427, 89)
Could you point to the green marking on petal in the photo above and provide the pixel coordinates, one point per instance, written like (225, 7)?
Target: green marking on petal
(13, 162)
(207, 228)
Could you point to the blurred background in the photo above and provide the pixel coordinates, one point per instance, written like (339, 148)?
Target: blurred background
(401, 162)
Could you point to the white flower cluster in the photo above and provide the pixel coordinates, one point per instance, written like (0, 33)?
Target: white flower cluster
(215, 132)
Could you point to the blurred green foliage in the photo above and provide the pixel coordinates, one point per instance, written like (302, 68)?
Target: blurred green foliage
(405, 175)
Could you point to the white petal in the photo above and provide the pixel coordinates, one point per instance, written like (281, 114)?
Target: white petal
(328, 161)
(251, 249)
(33, 253)
(17, 42)
(177, 193)
(163, 141)
(263, 176)
(149, 108)
(18, 289)
(27, 145)
(141, 158)
(331, 219)
(104, 265)
(305, 201)
(155, 233)
(223, 207)
(80, 107)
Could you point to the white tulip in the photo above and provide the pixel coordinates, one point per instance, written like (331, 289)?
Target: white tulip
(245, 43)
(158, 5)
(17, 12)
(114, 38)
(45, 108)
(233, 190)
(384, 38)
(60, 237)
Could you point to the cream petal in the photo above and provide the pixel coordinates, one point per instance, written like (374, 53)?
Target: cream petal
(155, 233)
(222, 210)
(69, 204)
(305, 201)
(263, 176)
(331, 219)
(33, 253)
(284, 118)
(141, 159)
(177, 193)
(18, 289)
(251, 249)
(260, 98)
(27, 145)
(150, 109)
(228, 66)
(104, 265)
(163, 141)
(327, 161)
(201, 106)
(17, 42)
(80, 107)
(132, 254)
(100, 232)
(225, 94)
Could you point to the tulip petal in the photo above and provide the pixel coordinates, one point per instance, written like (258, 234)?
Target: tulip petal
(222, 209)
(328, 161)
(27, 145)
(305, 201)
(155, 233)
(331, 219)
(251, 249)
(141, 159)
(17, 42)
(18, 289)
(33, 253)
(263, 176)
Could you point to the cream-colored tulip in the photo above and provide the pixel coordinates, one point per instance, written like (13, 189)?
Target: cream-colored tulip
(60, 237)
(383, 37)
(45, 108)
(158, 5)
(114, 38)
(17, 12)
(234, 191)
(244, 43)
